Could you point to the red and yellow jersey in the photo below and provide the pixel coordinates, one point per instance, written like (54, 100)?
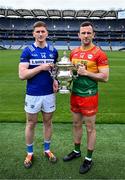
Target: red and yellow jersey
(94, 59)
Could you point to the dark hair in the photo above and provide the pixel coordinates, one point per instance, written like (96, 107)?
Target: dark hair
(87, 23)
(39, 24)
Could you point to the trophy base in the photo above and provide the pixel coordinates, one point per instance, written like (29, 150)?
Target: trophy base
(64, 91)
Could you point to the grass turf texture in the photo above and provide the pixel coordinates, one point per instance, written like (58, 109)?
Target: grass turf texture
(108, 156)
(12, 92)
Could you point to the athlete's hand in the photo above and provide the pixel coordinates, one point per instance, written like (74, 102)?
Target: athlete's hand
(82, 70)
(55, 86)
(46, 66)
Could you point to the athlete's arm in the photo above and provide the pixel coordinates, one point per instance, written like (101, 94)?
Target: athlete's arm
(102, 75)
(25, 73)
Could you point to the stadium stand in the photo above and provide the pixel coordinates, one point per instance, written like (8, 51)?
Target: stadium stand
(63, 25)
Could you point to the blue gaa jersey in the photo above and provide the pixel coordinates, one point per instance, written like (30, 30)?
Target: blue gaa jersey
(42, 83)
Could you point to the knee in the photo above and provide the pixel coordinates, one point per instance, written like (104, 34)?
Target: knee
(47, 124)
(31, 124)
(91, 128)
(77, 124)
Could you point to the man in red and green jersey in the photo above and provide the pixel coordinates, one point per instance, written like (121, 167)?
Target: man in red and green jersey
(92, 67)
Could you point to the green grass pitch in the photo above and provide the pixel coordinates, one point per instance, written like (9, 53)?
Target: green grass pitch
(12, 91)
(108, 156)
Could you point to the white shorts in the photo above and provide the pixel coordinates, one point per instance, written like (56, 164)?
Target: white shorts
(35, 104)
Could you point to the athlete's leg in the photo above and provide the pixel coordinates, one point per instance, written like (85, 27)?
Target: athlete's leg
(47, 130)
(29, 135)
(77, 136)
(48, 107)
(30, 127)
(77, 127)
(32, 107)
(91, 131)
(91, 139)
(47, 125)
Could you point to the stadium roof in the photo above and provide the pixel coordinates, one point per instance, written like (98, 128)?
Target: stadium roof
(51, 13)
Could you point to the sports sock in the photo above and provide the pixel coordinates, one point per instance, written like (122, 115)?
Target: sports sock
(89, 154)
(30, 149)
(77, 147)
(47, 145)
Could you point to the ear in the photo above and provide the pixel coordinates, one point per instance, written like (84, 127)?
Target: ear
(93, 34)
(33, 34)
(79, 35)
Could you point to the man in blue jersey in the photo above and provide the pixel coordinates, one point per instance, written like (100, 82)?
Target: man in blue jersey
(36, 62)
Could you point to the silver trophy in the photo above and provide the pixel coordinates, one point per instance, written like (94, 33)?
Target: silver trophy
(63, 73)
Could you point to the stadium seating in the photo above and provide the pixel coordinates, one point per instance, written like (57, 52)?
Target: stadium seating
(16, 33)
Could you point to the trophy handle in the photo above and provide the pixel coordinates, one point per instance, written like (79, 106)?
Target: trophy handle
(53, 72)
(69, 84)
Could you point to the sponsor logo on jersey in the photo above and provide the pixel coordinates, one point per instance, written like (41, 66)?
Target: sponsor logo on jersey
(90, 56)
(34, 55)
(43, 55)
(32, 106)
(40, 61)
(51, 55)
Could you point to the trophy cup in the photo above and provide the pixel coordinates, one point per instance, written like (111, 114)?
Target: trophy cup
(64, 74)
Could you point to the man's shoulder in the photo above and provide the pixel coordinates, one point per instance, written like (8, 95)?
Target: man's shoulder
(98, 50)
(30, 48)
(101, 55)
(77, 49)
(51, 48)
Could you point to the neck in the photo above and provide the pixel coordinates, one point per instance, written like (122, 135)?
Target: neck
(87, 47)
(40, 44)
